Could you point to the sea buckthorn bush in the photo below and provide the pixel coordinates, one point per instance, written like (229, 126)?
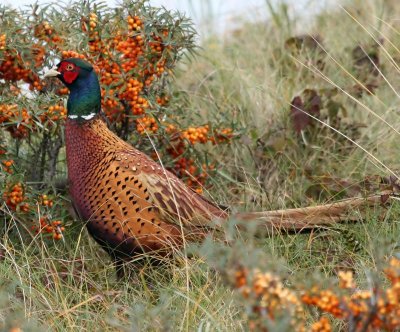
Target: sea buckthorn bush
(273, 299)
(362, 310)
(134, 50)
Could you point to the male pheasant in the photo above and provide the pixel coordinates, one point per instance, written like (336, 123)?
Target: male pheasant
(131, 204)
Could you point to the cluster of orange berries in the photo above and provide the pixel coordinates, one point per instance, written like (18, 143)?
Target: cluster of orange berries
(130, 45)
(326, 300)
(170, 128)
(185, 168)
(7, 165)
(2, 42)
(194, 135)
(62, 91)
(92, 21)
(14, 197)
(95, 45)
(267, 288)
(346, 280)
(36, 85)
(157, 64)
(195, 176)
(17, 120)
(267, 296)
(162, 101)
(131, 95)
(54, 113)
(13, 68)
(44, 31)
(39, 53)
(47, 39)
(15, 90)
(322, 325)
(46, 225)
(44, 200)
(146, 124)
(54, 228)
(157, 44)
(72, 54)
(135, 23)
(380, 309)
(222, 136)
(201, 135)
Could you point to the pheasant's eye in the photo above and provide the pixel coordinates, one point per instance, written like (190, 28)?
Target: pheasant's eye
(69, 67)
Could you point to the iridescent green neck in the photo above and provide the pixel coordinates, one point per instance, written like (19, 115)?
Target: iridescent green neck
(84, 100)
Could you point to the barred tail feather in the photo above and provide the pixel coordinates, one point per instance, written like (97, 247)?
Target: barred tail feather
(315, 216)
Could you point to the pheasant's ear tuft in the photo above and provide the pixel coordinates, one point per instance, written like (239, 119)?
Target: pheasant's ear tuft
(80, 63)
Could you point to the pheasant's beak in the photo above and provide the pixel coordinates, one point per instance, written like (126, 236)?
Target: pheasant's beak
(53, 72)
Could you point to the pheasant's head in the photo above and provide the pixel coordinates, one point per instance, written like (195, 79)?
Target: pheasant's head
(78, 76)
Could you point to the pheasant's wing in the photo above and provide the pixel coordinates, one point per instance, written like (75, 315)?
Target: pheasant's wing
(174, 201)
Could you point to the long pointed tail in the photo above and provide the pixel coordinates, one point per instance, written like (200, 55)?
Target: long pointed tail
(315, 216)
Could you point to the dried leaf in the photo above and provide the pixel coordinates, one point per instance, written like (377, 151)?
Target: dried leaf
(300, 109)
(312, 102)
(358, 90)
(303, 42)
(310, 45)
(299, 117)
(384, 198)
(366, 58)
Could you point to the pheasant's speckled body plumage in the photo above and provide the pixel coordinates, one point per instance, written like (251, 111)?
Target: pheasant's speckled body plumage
(130, 202)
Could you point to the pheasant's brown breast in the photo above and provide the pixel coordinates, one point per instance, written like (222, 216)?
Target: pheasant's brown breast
(110, 197)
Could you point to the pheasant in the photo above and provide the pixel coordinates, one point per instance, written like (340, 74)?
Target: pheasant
(131, 204)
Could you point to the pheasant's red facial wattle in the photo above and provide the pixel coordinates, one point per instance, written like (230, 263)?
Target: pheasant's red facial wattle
(69, 77)
(68, 71)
